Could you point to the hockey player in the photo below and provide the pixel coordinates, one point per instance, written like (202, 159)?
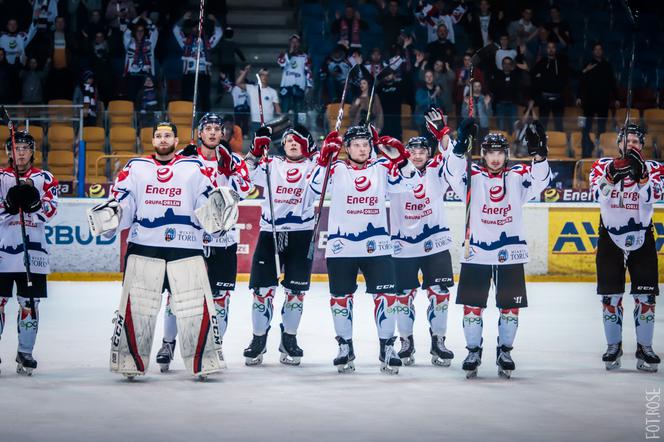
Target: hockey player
(497, 249)
(358, 238)
(37, 197)
(293, 219)
(421, 239)
(166, 201)
(626, 188)
(220, 253)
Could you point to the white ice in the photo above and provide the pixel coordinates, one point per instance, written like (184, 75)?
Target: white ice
(560, 390)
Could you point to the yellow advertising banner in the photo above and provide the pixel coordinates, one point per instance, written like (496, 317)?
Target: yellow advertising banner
(573, 237)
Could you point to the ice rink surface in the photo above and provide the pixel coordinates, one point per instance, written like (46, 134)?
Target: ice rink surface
(560, 390)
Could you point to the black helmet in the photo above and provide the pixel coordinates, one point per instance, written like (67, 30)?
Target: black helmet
(355, 132)
(209, 118)
(302, 132)
(631, 129)
(20, 136)
(495, 141)
(419, 143)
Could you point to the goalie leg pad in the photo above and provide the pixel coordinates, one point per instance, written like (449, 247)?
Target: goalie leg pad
(193, 306)
(137, 315)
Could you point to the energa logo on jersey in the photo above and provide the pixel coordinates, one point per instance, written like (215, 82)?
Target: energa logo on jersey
(419, 191)
(293, 175)
(164, 174)
(362, 183)
(496, 194)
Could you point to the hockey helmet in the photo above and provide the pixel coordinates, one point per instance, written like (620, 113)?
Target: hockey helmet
(302, 133)
(209, 118)
(357, 132)
(419, 143)
(495, 142)
(21, 136)
(631, 129)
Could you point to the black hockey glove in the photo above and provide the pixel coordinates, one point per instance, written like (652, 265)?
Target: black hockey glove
(637, 165)
(536, 139)
(191, 150)
(618, 170)
(466, 128)
(23, 196)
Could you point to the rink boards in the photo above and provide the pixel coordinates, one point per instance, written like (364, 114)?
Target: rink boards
(561, 239)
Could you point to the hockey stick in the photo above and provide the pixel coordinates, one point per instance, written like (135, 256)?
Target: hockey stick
(21, 215)
(319, 209)
(198, 63)
(371, 96)
(469, 162)
(267, 178)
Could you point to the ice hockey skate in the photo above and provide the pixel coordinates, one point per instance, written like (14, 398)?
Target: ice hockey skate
(345, 357)
(504, 361)
(646, 358)
(290, 352)
(165, 355)
(440, 355)
(257, 348)
(26, 363)
(389, 358)
(612, 356)
(407, 352)
(472, 362)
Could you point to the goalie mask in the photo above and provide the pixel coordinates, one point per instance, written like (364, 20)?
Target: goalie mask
(634, 129)
(303, 137)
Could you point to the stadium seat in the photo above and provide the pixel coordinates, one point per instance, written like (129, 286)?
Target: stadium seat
(571, 118)
(60, 138)
(59, 113)
(4, 134)
(146, 139)
(61, 164)
(649, 148)
(557, 142)
(180, 112)
(122, 139)
(91, 162)
(95, 138)
(120, 112)
(622, 113)
(575, 142)
(406, 117)
(581, 174)
(333, 111)
(654, 120)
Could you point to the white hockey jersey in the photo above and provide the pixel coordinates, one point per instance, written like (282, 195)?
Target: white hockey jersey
(189, 44)
(357, 221)
(238, 181)
(11, 241)
(430, 17)
(496, 213)
(15, 44)
(158, 201)
(418, 220)
(628, 223)
(293, 202)
(296, 70)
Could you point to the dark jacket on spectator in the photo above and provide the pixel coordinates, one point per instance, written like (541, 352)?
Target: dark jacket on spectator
(441, 50)
(550, 76)
(474, 27)
(596, 84)
(508, 88)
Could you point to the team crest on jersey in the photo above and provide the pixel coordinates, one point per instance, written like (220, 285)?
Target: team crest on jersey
(629, 240)
(207, 239)
(419, 192)
(337, 246)
(398, 247)
(428, 246)
(293, 175)
(502, 255)
(496, 194)
(164, 174)
(169, 235)
(371, 246)
(362, 183)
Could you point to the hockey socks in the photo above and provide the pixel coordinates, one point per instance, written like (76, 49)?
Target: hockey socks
(508, 322)
(613, 318)
(385, 314)
(291, 311)
(27, 325)
(644, 318)
(439, 301)
(261, 312)
(221, 303)
(472, 325)
(170, 321)
(341, 307)
(405, 312)
(3, 303)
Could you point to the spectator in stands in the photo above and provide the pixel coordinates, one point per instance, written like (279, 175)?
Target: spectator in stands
(443, 77)
(333, 73)
(358, 74)
(507, 88)
(442, 48)
(14, 42)
(140, 40)
(392, 94)
(550, 77)
(8, 80)
(558, 28)
(428, 95)
(100, 62)
(375, 64)
(62, 52)
(119, 13)
(523, 29)
(270, 98)
(228, 51)
(186, 34)
(348, 28)
(431, 16)
(538, 46)
(505, 50)
(33, 80)
(296, 78)
(148, 103)
(484, 25)
(481, 109)
(241, 108)
(95, 24)
(462, 76)
(44, 13)
(596, 88)
(392, 22)
(89, 99)
(360, 107)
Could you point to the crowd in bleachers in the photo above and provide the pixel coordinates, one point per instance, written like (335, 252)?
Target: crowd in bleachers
(130, 62)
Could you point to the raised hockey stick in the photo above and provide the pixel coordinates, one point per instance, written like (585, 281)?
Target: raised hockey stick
(371, 96)
(198, 63)
(267, 179)
(319, 209)
(469, 162)
(21, 215)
